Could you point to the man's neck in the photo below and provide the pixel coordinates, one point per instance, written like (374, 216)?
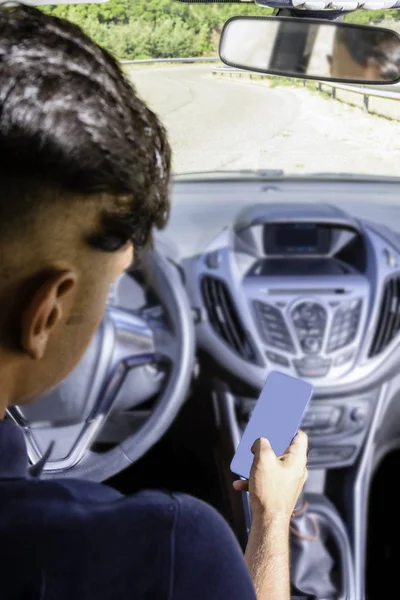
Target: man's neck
(6, 386)
(3, 405)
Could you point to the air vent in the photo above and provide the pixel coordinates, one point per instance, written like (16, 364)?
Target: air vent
(389, 317)
(224, 319)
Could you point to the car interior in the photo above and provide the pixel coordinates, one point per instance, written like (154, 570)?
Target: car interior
(257, 270)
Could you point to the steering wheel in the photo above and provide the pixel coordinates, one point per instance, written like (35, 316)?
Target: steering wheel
(124, 344)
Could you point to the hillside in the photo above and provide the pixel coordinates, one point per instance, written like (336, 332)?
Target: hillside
(134, 29)
(154, 28)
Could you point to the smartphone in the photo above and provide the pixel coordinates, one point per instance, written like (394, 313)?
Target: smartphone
(277, 416)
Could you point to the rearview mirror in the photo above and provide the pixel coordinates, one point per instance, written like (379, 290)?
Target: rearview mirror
(311, 49)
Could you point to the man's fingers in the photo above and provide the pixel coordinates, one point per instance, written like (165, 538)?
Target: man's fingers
(305, 476)
(300, 440)
(297, 450)
(299, 443)
(261, 445)
(241, 485)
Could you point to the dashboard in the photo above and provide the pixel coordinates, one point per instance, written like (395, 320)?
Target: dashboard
(301, 277)
(311, 291)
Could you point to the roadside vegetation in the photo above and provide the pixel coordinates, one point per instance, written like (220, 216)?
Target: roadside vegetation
(140, 29)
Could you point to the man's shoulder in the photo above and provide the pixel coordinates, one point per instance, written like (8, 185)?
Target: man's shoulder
(87, 541)
(81, 512)
(70, 507)
(96, 543)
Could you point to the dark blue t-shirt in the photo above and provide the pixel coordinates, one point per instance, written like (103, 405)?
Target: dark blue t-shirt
(76, 540)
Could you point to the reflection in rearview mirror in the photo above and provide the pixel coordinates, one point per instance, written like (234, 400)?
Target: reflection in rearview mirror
(311, 49)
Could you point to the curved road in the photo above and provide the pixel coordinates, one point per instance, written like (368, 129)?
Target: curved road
(221, 124)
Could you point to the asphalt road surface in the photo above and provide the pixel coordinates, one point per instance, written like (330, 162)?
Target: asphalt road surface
(233, 124)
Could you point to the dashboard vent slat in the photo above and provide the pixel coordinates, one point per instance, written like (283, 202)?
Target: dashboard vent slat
(218, 304)
(397, 319)
(212, 308)
(392, 314)
(224, 318)
(389, 317)
(383, 332)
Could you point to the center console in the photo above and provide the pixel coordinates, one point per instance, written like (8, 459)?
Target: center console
(336, 427)
(308, 292)
(339, 430)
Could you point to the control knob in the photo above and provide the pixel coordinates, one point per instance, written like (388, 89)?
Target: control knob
(311, 345)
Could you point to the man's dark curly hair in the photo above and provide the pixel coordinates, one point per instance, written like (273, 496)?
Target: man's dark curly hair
(70, 122)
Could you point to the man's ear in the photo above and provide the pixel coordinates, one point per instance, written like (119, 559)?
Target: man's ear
(51, 302)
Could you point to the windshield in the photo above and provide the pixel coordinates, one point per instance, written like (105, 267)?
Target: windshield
(220, 121)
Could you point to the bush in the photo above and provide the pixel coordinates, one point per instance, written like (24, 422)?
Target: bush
(153, 28)
(167, 28)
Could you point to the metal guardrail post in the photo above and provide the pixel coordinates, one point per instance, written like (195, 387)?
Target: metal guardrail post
(366, 102)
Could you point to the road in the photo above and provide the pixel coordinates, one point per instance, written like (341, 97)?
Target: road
(221, 124)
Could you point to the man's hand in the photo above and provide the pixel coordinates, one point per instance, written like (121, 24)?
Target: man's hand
(275, 482)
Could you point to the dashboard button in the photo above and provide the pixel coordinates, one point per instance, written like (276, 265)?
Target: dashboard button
(314, 366)
(359, 414)
(278, 359)
(308, 421)
(327, 454)
(345, 325)
(309, 319)
(312, 345)
(272, 327)
(319, 420)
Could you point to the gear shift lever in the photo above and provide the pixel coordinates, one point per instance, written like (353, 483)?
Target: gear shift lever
(312, 531)
(311, 563)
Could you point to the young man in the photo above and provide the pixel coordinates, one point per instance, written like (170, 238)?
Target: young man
(365, 54)
(84, 176)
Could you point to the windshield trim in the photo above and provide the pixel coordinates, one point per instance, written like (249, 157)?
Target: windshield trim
(203, 176)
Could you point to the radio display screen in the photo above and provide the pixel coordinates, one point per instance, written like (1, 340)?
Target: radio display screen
(296, 238)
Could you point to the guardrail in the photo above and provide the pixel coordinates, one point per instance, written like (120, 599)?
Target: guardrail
(146, 61)
(366, 92)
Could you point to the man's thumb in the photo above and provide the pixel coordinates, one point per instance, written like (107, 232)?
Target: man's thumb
(241, 485)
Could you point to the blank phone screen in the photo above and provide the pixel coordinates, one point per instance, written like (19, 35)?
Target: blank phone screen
(277, 416)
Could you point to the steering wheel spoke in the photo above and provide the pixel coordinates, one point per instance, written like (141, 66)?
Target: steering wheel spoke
(122, 424)
(165, 344)
(73, 414)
